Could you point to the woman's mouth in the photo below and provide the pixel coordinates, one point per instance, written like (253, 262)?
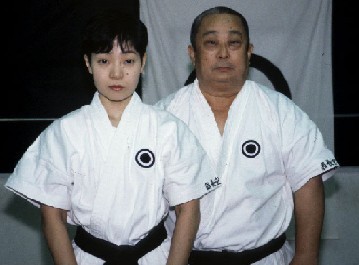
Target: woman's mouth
(116, 88)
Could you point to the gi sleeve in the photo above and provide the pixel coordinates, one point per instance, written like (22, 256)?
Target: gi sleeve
(304, 150)
(41, 176)
(188, 172)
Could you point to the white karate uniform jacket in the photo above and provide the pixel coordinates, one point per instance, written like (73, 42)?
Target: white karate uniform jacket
(269, 149)
(117, 183)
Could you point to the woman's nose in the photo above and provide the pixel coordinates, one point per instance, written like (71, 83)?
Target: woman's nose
(116, 71)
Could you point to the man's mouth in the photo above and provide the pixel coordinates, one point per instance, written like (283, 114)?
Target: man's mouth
(223, 68)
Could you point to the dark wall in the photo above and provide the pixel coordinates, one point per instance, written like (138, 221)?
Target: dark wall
(345, 80)
(45, 74)
(46, 77)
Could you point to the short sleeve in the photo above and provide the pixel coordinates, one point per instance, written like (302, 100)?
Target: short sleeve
(40, 176)
(188, 172)
(305, 153)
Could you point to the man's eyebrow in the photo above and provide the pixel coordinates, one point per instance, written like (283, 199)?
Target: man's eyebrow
(236, 32)
(209, 32)
(232, 32)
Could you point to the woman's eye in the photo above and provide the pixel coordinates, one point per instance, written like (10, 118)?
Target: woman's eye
(102, 61)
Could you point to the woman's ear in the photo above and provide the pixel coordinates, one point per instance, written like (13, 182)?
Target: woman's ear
(144, 58)
(88, 64)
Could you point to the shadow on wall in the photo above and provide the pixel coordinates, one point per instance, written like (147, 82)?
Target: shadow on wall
(22, 241)
(22, 238)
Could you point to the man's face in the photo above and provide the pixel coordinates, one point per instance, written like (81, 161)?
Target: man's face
(221, 56)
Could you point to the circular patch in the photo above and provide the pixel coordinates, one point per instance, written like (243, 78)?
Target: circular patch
(250, 148)
(145, 158)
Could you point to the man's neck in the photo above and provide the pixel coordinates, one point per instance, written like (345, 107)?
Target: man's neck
(219, 102)
(220, 105)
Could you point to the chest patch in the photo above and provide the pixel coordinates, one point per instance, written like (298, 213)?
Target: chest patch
(145, 158)
(251, 148)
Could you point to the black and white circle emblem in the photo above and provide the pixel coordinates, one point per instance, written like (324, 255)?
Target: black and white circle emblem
(251, 148)
(145, 158)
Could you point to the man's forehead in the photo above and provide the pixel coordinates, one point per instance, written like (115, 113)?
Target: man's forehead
(221, 23)
(221, 19)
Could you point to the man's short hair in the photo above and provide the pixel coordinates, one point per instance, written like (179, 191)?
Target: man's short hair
(212, 11)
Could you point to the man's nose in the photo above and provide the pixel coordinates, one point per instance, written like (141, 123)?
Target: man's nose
(223, 52)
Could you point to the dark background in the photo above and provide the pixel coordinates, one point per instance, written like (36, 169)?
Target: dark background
(345, 90)
(45, 77)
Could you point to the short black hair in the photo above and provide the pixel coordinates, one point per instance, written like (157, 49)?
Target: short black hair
(107, 25)
(212, 11)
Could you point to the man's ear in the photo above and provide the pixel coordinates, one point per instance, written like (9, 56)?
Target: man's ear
(88, 64)
(191, 54)
(250, 51)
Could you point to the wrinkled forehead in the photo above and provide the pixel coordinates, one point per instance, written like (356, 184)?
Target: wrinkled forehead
(220, 23)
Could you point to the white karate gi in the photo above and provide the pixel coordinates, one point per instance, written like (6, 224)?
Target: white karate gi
(117, 183)
(269, 149)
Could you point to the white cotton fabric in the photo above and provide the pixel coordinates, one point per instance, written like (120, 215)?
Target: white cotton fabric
(82, 164)
(269, 149)
(295, 36)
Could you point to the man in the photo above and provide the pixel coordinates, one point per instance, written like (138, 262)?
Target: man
(269, 156)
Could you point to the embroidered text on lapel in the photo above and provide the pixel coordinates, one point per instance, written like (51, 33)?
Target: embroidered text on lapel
(145, 158)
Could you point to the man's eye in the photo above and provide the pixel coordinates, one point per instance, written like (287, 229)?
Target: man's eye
(210, 42)
(235, 43)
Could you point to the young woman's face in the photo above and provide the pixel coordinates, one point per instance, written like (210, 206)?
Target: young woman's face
(116, 74)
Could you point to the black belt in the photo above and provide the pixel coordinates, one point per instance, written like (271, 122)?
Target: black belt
(124, 254)
(245, 257)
